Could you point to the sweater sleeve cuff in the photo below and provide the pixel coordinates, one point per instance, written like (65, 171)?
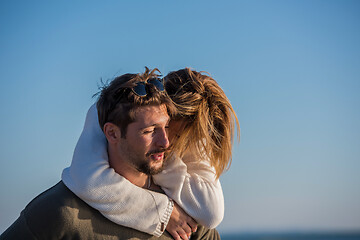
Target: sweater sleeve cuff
(164, 219)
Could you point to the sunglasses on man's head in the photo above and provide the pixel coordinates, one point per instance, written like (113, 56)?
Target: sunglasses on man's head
(140, 88)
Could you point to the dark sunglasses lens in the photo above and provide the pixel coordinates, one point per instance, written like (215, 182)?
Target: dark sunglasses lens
(140, 89)
(157, 83)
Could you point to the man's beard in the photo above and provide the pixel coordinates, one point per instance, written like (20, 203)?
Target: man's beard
(145, 168)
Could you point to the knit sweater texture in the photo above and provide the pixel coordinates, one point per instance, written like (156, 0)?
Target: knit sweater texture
(59, 214)
(190, 182)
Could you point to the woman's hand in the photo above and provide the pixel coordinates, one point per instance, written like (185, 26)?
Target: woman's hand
(180, 225)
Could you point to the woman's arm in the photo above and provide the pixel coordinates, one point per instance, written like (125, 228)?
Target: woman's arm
(193, 185)
(91, 178)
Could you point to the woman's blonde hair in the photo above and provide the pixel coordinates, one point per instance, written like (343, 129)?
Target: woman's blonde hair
(209, 117)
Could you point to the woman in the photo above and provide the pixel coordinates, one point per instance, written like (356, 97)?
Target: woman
(200, 154)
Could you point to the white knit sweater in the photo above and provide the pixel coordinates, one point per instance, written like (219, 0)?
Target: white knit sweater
(189, 182)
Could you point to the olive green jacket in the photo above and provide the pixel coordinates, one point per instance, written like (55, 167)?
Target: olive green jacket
(58, 213)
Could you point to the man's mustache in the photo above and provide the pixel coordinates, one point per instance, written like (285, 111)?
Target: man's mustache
(160, 150)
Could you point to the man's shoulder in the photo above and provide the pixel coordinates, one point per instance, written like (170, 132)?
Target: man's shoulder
(56, 197)
(55, 209)
(58, 213)
(50, 215)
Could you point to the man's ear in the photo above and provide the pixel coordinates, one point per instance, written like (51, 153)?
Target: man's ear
(112, 132)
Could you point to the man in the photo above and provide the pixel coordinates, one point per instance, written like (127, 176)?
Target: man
(133, 114)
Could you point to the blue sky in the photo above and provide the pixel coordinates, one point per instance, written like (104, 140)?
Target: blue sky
(290, 68)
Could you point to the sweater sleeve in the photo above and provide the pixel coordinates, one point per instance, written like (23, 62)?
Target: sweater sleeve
(192, 184)
(91, 179)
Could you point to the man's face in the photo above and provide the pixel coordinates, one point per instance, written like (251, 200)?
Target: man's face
(146, 139)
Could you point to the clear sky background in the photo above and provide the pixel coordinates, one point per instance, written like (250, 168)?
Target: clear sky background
(290, 68)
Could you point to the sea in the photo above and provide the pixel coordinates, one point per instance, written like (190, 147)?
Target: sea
(291, 236)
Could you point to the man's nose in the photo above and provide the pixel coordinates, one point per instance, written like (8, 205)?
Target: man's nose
(162, 139)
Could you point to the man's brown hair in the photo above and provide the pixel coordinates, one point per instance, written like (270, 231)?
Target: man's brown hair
(117, 102)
